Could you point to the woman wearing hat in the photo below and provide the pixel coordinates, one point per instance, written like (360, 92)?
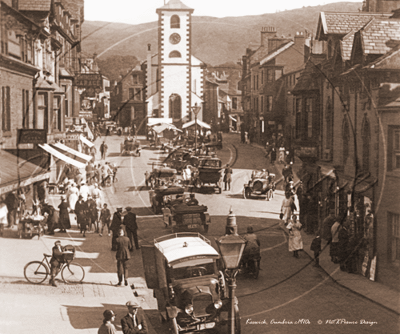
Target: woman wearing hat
(64, 216)
(107, 327)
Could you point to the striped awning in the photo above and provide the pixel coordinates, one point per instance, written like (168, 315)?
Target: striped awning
(57, 154)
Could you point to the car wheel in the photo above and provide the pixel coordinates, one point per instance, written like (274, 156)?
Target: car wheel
(197, 183)
(247, 193)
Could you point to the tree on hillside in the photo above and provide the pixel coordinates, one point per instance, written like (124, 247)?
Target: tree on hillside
(113, 67)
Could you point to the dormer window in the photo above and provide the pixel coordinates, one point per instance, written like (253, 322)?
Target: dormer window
(175, 22)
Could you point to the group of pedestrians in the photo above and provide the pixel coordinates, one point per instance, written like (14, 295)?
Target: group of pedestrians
(98, 173)
(133, 322)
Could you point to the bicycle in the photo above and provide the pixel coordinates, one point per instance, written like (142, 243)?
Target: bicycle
(36, 272)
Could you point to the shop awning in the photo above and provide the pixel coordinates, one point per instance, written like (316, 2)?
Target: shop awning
(86, 141)
(200, 123)
(17, 173)
(76, 155)
(61, 156)
(164, 126)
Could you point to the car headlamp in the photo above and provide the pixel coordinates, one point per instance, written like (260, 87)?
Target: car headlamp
(218, 304)
(189, 309)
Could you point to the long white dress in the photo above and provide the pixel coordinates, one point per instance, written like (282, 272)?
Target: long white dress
(295, 240)
(73, 197)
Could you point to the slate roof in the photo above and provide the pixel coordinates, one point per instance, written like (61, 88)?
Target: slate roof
(263, 51)
(306, 81)
(377, 35)
(343, 23)
(346, 45)
(34, 5)
(176, 5)
(389, 61)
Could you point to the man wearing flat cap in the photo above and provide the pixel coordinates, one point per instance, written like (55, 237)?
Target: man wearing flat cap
(56, 259)
(107, 327)
(134, 322)
(131, 228)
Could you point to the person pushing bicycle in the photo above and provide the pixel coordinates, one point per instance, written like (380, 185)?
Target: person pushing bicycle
(56, 260)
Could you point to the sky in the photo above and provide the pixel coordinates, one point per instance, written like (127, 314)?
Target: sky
(142, 11)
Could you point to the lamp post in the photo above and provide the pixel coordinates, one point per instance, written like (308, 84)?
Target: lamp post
(195, 110)
(231, 248)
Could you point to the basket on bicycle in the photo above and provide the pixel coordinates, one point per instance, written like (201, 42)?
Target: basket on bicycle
(69, 254)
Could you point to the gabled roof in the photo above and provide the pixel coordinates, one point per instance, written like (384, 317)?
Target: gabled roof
(346, 45)
(389, 61)
(34, 5)
(276, 52)
(263, 51)
(377, 35)
(174, 5)
(306, 81)
(343, 23)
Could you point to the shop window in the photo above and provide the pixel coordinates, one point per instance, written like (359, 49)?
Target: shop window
(42, 110)
(175, 22)
(6, 108)
(394, 222)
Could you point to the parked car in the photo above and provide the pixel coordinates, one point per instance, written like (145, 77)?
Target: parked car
(182, 270)
(162, 196)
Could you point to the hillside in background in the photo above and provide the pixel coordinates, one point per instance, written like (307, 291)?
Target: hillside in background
(215, 40)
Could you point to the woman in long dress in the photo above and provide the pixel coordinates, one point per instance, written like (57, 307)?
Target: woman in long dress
(295, 240)
(287, 208)
(73, 197)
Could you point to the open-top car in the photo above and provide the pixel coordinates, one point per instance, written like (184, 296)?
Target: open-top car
(261, 184)
(164, 196)
(161, 176)
(208, 173)
(182, 270)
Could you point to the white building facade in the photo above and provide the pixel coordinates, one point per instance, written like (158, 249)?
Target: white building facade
(174, 77)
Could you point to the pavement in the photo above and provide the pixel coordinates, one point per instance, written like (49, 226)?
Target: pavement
(374, 291)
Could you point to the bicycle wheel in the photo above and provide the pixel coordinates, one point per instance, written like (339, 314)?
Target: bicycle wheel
(73, 273)
(36, 272)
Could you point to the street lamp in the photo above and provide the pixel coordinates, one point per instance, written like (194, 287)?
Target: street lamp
(231, 248)
(195, 110)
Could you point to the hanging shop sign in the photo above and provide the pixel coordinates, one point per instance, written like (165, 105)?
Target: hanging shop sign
(31, 136)
(89, 80)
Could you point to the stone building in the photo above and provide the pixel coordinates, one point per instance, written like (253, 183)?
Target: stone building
(349, 153)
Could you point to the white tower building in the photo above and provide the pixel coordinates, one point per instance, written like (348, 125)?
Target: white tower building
(174, 76)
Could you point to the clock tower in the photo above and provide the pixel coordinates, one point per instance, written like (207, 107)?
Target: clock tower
(174, 61)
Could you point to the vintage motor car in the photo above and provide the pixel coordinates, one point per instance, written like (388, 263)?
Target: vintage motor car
(208, 173)
(130, 147)
(182, 270)
(162, 196)
(187, 218)
(261, 184)
(161, 176)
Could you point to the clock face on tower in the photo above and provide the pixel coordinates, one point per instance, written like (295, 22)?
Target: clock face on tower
(175, 38)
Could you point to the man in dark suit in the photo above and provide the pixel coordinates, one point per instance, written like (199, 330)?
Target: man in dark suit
(131, 228)
(134, 322)
(115, 225)
(123, 255)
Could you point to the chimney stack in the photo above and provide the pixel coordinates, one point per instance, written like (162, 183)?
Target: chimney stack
(266, 33)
